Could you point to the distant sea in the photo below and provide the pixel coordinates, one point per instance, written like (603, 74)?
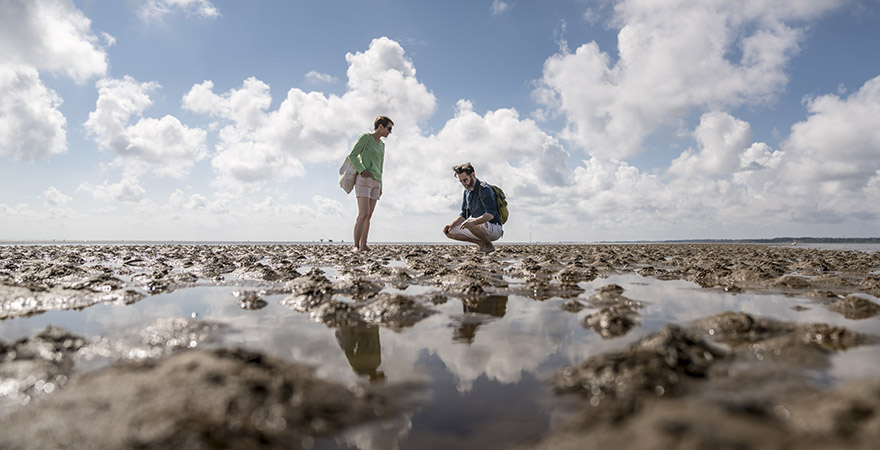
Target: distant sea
(863, 245)
(64, 242)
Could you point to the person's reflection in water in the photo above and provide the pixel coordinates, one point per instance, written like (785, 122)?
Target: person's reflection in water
(493, 305)
(363, 350)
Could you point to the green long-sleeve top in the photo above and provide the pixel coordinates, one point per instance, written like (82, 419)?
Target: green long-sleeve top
(367, 154)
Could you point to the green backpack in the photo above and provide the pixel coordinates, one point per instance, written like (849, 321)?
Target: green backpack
(501, 201)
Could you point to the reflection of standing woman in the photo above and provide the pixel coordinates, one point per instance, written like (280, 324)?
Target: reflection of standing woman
(367, 157)
(363, 349)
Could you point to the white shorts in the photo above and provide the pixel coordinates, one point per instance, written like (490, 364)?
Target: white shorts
(492, 229)
(367, 187)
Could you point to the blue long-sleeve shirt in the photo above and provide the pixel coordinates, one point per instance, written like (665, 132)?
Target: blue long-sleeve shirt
(480, 201)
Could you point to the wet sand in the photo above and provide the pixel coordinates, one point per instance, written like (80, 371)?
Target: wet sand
(728, 379)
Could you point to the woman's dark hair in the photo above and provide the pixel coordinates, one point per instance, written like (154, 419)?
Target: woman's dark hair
(463, 168)
(382, 120)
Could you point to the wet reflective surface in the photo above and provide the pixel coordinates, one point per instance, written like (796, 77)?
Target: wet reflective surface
(474, 371)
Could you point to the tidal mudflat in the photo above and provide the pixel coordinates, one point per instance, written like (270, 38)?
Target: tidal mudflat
(436, 346)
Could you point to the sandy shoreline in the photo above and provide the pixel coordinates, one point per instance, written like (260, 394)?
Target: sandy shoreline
(727, 379)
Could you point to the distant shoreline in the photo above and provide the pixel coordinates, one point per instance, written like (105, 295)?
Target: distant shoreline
(778, 240)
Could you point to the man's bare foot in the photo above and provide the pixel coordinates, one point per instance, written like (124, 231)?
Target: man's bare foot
(486, 248)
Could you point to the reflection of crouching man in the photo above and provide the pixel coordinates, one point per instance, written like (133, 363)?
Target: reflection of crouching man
(479, 221)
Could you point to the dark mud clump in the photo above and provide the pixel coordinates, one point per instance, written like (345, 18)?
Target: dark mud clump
(22, 299)
(678, 388)
(358, 287)
(195, 399)
(309, 291)
(546, 276)
(656, 365)
(618, 314)
(612, 321)
(741, 329)
(37, 365)
(844, 418)
(314, 294)
(250, 300)
(854, 307)
(394, 311)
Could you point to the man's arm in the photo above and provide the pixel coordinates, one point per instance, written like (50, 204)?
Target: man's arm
(474, 221)
(458, 220)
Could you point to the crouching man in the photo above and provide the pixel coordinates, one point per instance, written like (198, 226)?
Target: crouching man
(479, 222)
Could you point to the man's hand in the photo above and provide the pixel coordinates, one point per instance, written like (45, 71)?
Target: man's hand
(448, 228)
(366, 173)
(468, 224)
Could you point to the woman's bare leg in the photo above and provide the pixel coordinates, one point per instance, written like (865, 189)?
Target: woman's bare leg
(366, 206)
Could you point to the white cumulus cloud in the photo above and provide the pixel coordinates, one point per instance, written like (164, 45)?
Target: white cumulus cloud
(257, 145)
(498, 7)
(178, 199)
(164, 145)
(37, 36)
(128, 190)
(54, 197)
(833, 157)
(156, 9)
(31, 126)
(839, 143)
(318, 77)
(674, 57)
(51, 35)
(723, 139)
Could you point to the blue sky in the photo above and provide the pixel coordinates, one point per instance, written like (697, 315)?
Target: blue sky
(602, 120)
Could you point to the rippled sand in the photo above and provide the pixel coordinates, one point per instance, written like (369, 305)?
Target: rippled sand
(753, 361)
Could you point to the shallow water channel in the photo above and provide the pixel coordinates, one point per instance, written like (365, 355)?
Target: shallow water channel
(475, 374)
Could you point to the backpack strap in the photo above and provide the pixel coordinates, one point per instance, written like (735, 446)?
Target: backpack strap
(492, 191)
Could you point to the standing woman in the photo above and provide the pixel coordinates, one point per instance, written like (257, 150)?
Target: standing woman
(367, 157)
